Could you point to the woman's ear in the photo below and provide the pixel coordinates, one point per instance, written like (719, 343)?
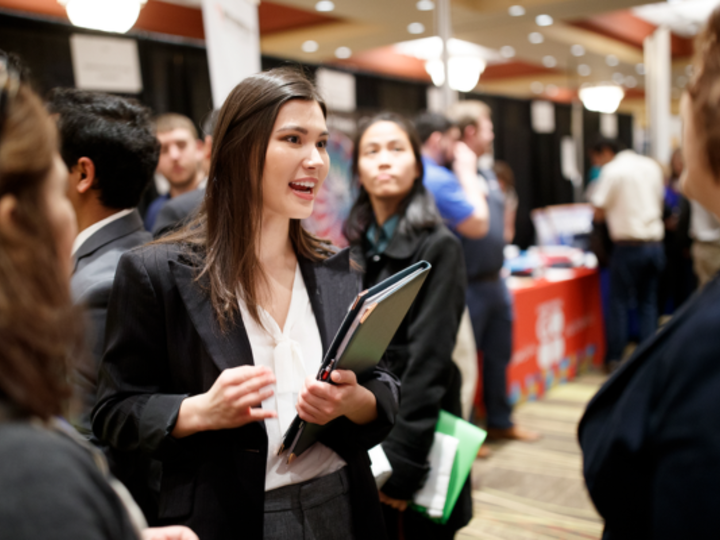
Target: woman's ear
(8, 222)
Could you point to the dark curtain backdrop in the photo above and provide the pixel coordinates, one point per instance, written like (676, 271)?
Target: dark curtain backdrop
(176, 79)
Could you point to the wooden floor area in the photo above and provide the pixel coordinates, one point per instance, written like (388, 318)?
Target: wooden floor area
(535, 491)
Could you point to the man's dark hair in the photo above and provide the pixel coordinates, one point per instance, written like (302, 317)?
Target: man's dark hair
(209, 122)
(602, 143)
(116, 133)
(428, 123)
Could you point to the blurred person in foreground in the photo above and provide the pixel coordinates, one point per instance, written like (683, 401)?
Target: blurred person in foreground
(181, 209)
(392, 225)
(53, 485)
(181, 159)
(108, 145)
(650, 435)
(629, 197)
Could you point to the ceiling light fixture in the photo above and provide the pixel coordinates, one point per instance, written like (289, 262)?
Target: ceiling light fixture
(507, 51)
(106, 15)
(602, 97)
(310, 46)
(640, 69)
(416, 28)
(612, 60)
(536, 38)
(630, 81)
(577, 50)
(425, 5)
(549, 61)
(543, 20)
(325, 5)
(618, 78)
(343, 52)
(516, 11)
(584, 70)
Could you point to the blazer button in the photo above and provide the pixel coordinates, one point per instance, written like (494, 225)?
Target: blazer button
(376, 258)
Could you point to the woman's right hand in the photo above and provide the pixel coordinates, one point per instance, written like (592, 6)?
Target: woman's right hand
(232, 402)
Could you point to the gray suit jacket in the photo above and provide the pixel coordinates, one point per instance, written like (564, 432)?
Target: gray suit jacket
(91, 283)
(177, 211)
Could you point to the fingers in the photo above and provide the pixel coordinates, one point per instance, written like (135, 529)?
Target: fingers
(255, 385)
(343, 376)
(310, 413)
(238, 375)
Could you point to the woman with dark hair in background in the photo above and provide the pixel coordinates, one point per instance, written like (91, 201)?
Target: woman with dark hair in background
(392, 225)
(650, 436)
(53, 485)
(215, 334)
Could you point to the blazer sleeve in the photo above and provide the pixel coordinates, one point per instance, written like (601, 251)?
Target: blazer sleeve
(135, 409)
(432, 331)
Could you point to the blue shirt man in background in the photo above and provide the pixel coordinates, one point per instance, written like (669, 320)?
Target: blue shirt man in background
(473, 206)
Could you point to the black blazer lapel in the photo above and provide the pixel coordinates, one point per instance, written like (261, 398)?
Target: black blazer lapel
(332, 287)
(229, 349)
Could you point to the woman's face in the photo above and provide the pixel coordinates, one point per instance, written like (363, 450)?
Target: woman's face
(296, 162)
(60, 213)
(386, 162)
(697, 180)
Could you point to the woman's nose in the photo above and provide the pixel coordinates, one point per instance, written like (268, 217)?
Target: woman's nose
(314, 159)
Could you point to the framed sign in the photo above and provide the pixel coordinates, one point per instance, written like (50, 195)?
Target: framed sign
(106, 64)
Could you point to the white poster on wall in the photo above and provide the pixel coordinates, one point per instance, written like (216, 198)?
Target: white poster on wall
(337, 89)
(542, 114)
(106, 64)
(609, 125)
(232, 38)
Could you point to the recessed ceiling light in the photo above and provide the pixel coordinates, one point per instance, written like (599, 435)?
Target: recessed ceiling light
(416, 28)
(630, 81)
(507, 51)
(516, 11)
(612, 60)
(640, 69)
(584, 70)
(324, 5)
(681, 81)
(536, 38)
(343, 52)
(577, 50)
(543, 20)
(537, 87)
(618, 77)
(425, 5)
(310, 46)
(549, 61)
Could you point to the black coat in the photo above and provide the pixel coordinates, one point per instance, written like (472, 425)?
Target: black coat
(651, 435)
(164, 344)
(420, 354)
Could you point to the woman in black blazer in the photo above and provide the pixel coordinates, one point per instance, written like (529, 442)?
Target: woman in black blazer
(180, 380)
(393, 224)
(651, 435)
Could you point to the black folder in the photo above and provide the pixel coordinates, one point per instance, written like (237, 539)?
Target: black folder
(365, 333)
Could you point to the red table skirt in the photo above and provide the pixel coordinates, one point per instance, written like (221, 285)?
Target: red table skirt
(558, 331)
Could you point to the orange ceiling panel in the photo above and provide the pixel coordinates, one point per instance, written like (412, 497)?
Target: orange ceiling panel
(514, 69)
(385, 60)
(627, 28)
(277, 18)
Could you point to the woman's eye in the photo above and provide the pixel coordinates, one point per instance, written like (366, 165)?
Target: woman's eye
(322, 144)
(294, 139)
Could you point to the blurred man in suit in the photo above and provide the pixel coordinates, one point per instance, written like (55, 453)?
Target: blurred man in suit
(111, 152)
(181, 159)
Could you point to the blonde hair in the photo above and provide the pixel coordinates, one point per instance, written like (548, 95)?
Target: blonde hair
(170, 121)
(468, 113)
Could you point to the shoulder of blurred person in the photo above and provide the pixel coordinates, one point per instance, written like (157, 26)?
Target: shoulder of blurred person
(177, 211)
(649, 436)
(58, 492)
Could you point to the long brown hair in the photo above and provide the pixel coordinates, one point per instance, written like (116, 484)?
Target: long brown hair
(228, 225)
(704, 89)
(39, 327)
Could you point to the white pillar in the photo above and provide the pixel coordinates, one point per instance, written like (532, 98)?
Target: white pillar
(577, 129)
(657, 92)
(444, 30)
(232, 38)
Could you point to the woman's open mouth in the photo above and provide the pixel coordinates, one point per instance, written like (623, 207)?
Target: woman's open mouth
(303, 189)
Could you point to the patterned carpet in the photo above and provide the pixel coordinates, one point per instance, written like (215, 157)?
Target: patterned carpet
(535, 491)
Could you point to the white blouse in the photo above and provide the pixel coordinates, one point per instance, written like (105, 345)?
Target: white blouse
(292, 354)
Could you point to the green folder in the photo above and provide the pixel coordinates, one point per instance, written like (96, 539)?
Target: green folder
(470, 439)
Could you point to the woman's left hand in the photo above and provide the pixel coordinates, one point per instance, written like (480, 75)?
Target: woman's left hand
(176, 532)
(320, 402)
